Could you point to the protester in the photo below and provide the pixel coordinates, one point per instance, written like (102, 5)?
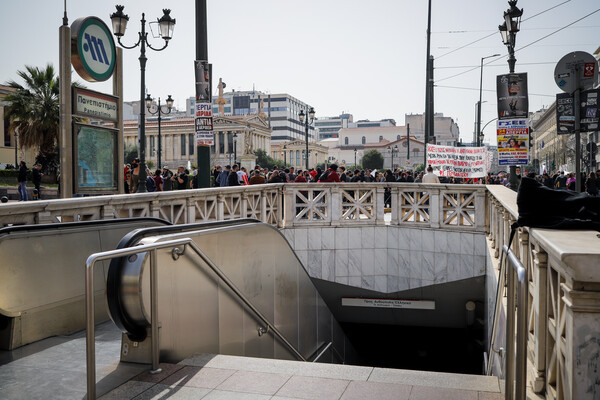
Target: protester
(167, 176)
(37, 179)
(430, 177)
(22, 179)
(257, 178)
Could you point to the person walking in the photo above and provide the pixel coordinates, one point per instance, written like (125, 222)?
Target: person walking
(232, 178)
(37, 180)
(591, 185)
(22, 179)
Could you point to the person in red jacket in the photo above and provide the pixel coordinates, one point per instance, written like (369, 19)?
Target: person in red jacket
(330, 175)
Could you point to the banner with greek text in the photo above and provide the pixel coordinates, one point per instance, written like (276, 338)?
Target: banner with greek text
(459, 162)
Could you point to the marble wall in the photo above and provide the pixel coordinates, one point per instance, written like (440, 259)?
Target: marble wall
(388, 259)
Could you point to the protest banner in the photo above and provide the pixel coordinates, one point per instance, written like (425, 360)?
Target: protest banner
(458, 162)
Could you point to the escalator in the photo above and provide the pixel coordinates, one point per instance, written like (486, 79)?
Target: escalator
(244, 292)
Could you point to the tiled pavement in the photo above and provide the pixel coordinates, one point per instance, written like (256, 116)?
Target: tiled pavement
(212, 377)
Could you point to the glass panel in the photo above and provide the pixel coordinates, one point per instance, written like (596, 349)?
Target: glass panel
(96, 159)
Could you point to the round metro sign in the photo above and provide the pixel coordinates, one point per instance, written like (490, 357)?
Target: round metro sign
(92, 49)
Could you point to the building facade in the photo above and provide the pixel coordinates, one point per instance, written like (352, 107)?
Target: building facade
(445, 129)
(329, 127)
(293, 154)
(236, 139)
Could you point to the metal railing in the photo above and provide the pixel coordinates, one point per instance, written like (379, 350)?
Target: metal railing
(516, 359)
(153, 248)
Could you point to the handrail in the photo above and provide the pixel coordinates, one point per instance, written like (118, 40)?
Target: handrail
(519, 376)
(498, 305)
(153, 248)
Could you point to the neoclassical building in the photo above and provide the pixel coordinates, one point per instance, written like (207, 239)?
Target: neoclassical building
(236, 138)
(293, 153)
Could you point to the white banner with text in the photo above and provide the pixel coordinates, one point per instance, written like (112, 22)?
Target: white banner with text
(458, 162)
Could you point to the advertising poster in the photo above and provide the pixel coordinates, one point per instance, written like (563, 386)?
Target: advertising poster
(458, 162)
(513, 141)
(204, 124)
(511, 90)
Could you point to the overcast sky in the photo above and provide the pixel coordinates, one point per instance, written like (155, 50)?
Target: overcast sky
(362, 57)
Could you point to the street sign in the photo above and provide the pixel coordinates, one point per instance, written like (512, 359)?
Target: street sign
(95, 105)
(576, 70)
(92, 49)
(204, 124)
(589, 115)
(513, 141)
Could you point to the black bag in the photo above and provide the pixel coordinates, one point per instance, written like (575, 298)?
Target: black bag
(542, 207)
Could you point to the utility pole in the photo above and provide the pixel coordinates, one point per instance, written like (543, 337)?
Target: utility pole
(202, 150)
(428, 79)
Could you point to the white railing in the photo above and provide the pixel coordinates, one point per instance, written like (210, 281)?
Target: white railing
(563, 275)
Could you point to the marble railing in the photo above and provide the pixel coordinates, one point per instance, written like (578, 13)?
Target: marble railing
(563, 269)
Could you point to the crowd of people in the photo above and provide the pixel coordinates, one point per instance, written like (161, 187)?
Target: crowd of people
(234, 175)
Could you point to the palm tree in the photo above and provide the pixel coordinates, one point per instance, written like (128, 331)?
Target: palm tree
(33, 109)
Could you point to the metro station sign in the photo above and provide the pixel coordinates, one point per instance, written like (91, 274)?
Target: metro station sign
(92, 49)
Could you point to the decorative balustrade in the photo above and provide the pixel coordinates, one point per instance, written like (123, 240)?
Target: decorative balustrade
(563, 270)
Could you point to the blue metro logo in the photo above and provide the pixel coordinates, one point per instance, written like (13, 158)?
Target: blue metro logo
(96, 47)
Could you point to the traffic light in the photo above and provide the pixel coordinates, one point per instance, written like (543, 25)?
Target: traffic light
(530, 137)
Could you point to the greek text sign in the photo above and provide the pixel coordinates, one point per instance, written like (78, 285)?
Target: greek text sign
(204, 124)
(95, 105)
(388, 303)
(459, 162)
(513, 141)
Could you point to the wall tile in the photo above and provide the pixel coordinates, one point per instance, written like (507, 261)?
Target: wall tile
(441, 241)
(355, 281)
(354, 262)
(381, 234)
(428, 240)
(341, 279)
(354, 238)
(368, 261)
(328, 238)
(428, 266)
(467, 266)
(368, 282)
(341, 263)
(416, 259)
(453, 242)
(479, 244)
(403, 238)
(415, 283)
(341, 238)
(441, 268)
(289, 235)
(414, 239)
(479, 263)
(314, 239)
(403, 283)
(466, 243)
(301, 239)
(404, 263)
(392, 237)
(303, 256)
(454, 267)
(381, 283)
(392, 284)
(392, 262)
(368, 237)
(328, 265)
(380, 261)
(314, 263)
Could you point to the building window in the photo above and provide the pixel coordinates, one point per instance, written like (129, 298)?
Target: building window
(398, 137)
(346, 140)
(298, 160)
(364, 140)
(380, 138)
(182, 138)
(221, 143)
(191, 144)
(415, 152)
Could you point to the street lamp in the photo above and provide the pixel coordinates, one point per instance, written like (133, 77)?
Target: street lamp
(284, 155)
(508, 31)
(235, 147)
(480, 93)
(16, 146)
(307, 122)
(392, 149)
(159, 112)
(355, 150)
(166, 25)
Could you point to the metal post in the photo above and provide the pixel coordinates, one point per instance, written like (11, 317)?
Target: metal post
(159, 158)
(513, 182)
(577, 129)
(510, 334)
(203, 151)
(142, 131)
(306, 131)
(154, 312)
(66, 128)
(16, 143)
(90, 344)
(118, 92)
(408, 142)
(427, 79)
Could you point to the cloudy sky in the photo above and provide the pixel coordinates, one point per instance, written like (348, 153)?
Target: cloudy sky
(362, 57)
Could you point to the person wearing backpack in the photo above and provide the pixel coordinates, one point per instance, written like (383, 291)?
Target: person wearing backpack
(330, 175)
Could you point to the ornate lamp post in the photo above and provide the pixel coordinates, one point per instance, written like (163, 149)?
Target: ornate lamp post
(235, 147)
(305, 121)
(508, 30)
(284, 155)
(479, 103)
(355, 150)
(392, 150)
(166, 25)
(159, 112)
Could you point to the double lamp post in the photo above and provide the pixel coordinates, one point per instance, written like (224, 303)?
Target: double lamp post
(166, 25)
(159, 111)
(305, 121)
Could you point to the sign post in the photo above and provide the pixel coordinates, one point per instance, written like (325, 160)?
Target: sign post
(573, 73)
